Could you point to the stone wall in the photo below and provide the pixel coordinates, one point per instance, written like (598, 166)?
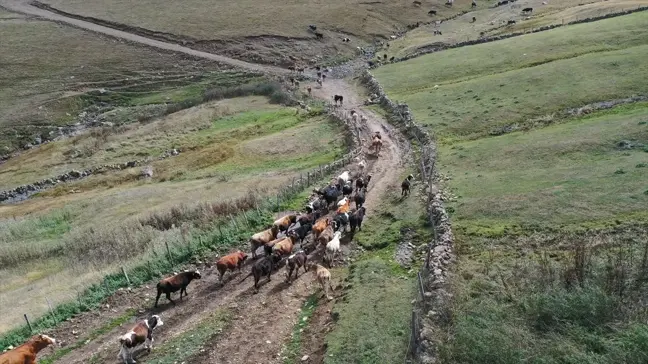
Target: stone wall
(433, 304)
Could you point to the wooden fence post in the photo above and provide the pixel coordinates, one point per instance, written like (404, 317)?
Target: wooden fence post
(166, 243)
(247, 221)
(49, 304)
(28, 323)
(125, 275)
(234, 222)
(421, 289)
(308, 179)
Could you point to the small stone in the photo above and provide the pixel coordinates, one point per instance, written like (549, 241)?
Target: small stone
(268, 342)
(304, 358)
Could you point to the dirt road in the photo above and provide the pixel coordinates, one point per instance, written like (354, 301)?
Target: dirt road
(24, 7)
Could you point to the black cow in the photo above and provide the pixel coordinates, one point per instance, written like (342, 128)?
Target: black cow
(432, 12)
(340, 221)
(359, 198)
(527, 10)
(355, 219)
(339, 98)
(405, 186)
(262, 267)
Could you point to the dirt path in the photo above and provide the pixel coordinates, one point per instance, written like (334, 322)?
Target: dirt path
(24, 7)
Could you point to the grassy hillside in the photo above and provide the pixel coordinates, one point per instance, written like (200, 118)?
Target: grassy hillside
(279, 27)
(226, 152)
(491, 21)
(548, 208)
(524, 82)
(47, 70)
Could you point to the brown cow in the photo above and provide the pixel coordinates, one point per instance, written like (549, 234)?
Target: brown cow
(178, 282)
(326, 235)
(295, 262)
(141, 333)
(284, 223)
(320, 225)
(344, 208)
(26, 353)
(262, 238)
(230, 262)
(285, 247)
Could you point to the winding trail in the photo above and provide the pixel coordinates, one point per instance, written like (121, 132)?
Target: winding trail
(24, 7)
(262, 322)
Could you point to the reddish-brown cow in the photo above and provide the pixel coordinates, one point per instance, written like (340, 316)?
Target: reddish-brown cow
(230, 262)
(26, 353)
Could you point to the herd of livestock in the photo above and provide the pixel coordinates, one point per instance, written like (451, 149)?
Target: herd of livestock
(289, 241)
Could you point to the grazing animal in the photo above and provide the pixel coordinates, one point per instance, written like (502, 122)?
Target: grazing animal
(340, 221)
(391, 59)
(324, 278)
(339, 98)
(354, 117)
(178, 282)
(308, 218)
(312, 27)
(511, 22)
(344, 205)
(319, 35)
(284, 223)
(26, 353)
(319, 82)
(392, 37)
(141, 333)
(326, 235)
(363, 119)
(355, 219)
(385, 57)
(262, 267)
(347, 189)
(417, 3)
(359, 198)
(360, 184)
(297, 84)
(303, 230)
(295, 262)
(310, 91)
(316, 205)
(367, 180)
(230, 262)
(527, 10)
(370, 63)
(330, 194)
(260, 239)
(320, 226)
(474, 4)
(474, 19)
(343, 178)
(502, 3)
(405, 186)
(333, 248)
(432, 12)
(291, 68)
(376, 144)
(292, 80)
(285, 246)
(362, 164)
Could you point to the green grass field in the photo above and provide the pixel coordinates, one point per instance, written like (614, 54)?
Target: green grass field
(491, 21)
(228, 148)
(48, 68)
(484, 96)
(579, 173)
(549, 215)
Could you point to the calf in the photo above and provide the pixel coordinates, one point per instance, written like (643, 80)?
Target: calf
(262, 267)
(339, 98)
(178, 282)
(406, 185)
(344, 205)
(284, 223)
(355, 219)
(324, 278)
(141, 333)
(285, 247)
(343, 178)
(319, 35)
(295, 262)
(260, 239)
(360, 183)
(432, 12)
(527, 10)
(333, 248)
(511, 22)
(230, 262)
(359, 198)
(26, 353)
